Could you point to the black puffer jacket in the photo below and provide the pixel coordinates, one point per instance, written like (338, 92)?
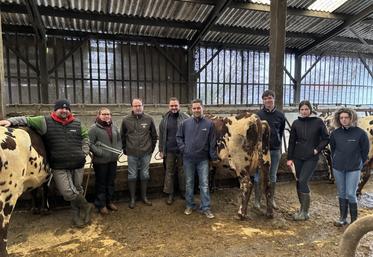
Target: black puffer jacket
(307, 134)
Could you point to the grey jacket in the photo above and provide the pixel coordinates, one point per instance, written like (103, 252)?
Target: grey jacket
(97, 136)
(163, 129)
(138, 134)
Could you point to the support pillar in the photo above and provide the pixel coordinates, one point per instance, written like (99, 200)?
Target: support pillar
(277, 50)
(2, 81)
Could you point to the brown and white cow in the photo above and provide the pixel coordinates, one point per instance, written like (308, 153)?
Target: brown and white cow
(22, 167)
(243, 142)
(365, 123)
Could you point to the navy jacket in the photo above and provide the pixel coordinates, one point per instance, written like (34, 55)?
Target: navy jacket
(196, 139)
(276, 121)
(350, 148)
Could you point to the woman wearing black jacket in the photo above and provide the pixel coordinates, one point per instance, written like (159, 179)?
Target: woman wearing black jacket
(308, 136)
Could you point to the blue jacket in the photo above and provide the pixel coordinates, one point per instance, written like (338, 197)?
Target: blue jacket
(350, 148)
(196, 139)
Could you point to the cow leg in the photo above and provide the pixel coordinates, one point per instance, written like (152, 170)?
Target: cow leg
(3, 237)
(246, 187)
(365, 174)
(44, 209)
(34, 201)
(212, 184)
(269, 191)
(328, 157)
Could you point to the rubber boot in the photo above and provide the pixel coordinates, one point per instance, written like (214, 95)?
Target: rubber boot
(258, 195)
(304, 207)
(144, 186)
(353, 211)
(132, 190)
(77, 221)
(272, 188)
(170, 199)
(85, 208)
(343, 209)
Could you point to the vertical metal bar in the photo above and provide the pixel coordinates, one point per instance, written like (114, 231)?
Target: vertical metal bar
(324, 83)
(218, 81)
(130, 69)
(98, 70)
(82, 73)
(224, 49)
(205, 100)
(64, 67)
(137, 70)
(18, 73)
(74, 82)
(152, 73)
(106, 73)
(230, 77)
(9, 76)
(166, 76)
(235, 76)
(247, 76)
(28, 75)
(37, 68)
(259, 81)
(114, 71)
(159, 77)
(145, 96)
(55, 70)
(90, 71)
(122, 68)
(253, 78)
(212, 78)
(199, 67)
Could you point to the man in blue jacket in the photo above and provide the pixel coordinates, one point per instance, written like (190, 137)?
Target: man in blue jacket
(196, 140)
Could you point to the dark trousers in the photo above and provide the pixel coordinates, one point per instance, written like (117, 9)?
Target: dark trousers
(304, 171)
(105, 176)
(174, 165)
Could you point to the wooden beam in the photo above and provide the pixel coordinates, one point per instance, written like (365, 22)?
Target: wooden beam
(2, 81)
(211, 19)
(351, 21)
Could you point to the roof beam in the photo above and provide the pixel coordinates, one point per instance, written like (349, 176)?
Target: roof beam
(35, 19)
(211, 19)
(100, 16)
(351, 21)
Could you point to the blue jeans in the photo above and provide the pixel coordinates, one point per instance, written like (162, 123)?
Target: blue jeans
(275, 161)
(304, 170)
(347, 183)
(202, 169)
(140, 164)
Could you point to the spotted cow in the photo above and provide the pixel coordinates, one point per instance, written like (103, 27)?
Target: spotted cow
(365, 123)
(22, 167)
(243, 146)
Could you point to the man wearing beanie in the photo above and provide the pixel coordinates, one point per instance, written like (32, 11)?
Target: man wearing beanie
(67, 145)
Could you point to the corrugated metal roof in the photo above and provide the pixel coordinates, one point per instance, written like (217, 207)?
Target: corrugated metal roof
(174, 10)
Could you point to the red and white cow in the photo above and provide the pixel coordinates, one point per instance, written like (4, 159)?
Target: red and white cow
(22, 167)
(243, 142)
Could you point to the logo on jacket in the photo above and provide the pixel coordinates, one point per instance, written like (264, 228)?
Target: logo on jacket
(204, 129)
(143, 125)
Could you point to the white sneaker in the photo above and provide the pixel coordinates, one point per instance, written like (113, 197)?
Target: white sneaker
(209, 214)
(188, 211)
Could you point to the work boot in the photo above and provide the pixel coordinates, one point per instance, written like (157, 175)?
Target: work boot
(132, 190)
(85, 208)
(170, 199)
(304, 207)
(343, 209)
(112, 207)
(257, 195)
(77, 221)
(272, 188)
(104, 211)
(353, 211)
(144, 186)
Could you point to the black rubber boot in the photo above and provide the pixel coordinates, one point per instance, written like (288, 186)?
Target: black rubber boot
(144, 186)
(257, 194)
(170, 199)
(273, 188)
(85, 208)
(343, 210)
(132, 190)
(353, 211)
(77, 221)
(304, 207)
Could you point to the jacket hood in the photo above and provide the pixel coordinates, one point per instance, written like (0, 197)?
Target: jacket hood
(351, 113)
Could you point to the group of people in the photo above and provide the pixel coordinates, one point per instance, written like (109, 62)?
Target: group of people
(187, 144)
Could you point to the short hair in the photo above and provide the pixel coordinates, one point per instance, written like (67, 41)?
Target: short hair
(307, 103)
(136, 99)
(197, 101)
(174, 99)
(101, 109)
(268, 93)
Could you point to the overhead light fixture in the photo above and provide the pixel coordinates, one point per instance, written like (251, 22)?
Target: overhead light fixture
(326, 5)
(261, 2)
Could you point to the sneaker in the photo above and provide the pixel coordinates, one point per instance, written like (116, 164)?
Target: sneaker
(188, 211)
(209, 214)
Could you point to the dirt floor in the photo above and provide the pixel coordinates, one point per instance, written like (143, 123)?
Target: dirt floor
(163, 230)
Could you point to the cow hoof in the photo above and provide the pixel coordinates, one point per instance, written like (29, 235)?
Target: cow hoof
(269, 215)
(242, 217)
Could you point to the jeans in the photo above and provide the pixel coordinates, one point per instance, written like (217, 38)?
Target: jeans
(202, 169)
(104, 183)
(275, 161)
(174, 165)
(69, 182)
(304, 170)
(138, 164)
(347, 183)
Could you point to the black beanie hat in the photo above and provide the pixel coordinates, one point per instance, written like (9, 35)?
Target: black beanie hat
(61, 104)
